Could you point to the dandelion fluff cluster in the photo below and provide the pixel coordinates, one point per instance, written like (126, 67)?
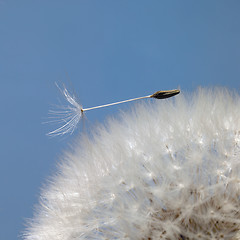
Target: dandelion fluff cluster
(164, 170)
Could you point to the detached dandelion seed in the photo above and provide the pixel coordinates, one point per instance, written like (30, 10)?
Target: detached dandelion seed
(70, 115)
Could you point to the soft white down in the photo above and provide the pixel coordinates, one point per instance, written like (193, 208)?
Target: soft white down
(166, 169)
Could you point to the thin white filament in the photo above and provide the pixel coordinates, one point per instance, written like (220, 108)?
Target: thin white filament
(115, 103)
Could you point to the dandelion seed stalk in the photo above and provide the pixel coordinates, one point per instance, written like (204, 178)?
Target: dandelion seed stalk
(157, 95)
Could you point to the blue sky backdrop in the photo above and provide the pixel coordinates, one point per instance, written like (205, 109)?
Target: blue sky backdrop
(106, 51)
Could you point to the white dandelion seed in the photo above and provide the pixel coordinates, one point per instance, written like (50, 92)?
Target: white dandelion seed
(70, 115)
(165, 170)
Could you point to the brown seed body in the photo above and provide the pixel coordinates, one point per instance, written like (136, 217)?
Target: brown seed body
(165, 94)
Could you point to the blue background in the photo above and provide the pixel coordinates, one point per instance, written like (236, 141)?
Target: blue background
(106, 51)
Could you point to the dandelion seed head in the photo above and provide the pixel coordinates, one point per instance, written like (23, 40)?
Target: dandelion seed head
(164, 170)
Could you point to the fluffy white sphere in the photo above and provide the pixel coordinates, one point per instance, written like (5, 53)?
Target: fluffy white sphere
(167, 169)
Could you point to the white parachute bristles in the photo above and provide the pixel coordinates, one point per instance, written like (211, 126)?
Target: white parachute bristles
(68, 116)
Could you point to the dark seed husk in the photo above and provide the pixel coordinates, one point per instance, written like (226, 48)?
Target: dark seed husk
(165, 94)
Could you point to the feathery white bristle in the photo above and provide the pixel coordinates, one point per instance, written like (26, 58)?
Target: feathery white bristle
(68, 116)
(166, 170)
